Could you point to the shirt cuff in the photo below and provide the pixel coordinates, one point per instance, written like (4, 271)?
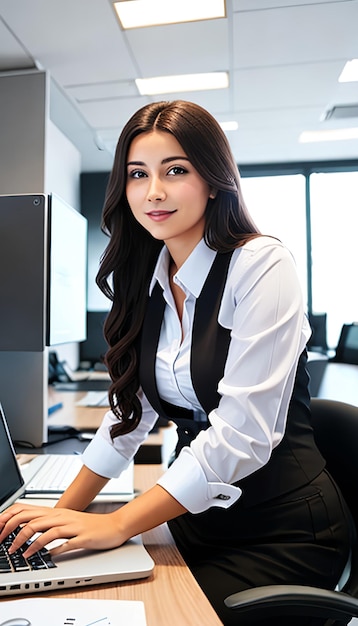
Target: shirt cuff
(187, 483)
(103, 459)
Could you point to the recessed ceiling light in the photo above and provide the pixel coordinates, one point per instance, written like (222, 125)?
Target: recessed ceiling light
(229, 125)
(350, 72)
(182, 82)
(337, 134)
(139, 13)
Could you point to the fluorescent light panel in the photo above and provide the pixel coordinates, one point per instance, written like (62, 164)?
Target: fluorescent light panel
(140, 13)
(338, 134)
(227, 126)
(350, 72)
(182, 82)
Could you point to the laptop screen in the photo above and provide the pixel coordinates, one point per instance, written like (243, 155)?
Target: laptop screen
(11, 484)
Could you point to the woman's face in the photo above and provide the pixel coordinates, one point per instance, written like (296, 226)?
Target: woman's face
(166, 194)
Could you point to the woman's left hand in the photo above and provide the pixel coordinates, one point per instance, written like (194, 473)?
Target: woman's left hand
(79, 530)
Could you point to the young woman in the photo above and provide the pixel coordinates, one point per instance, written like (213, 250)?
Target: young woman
(207, 328)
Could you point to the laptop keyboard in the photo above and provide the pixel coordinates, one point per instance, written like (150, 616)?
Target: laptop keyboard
(17, 563)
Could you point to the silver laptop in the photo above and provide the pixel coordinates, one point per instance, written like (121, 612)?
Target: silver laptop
(74, 569)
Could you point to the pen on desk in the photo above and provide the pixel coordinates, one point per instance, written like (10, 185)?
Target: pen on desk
(54, 407)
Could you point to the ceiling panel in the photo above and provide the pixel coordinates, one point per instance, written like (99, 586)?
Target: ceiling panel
(264, 146)
(216, 101)
(12, 53)
(103, 90)
(258, 5)
(284, 118)
(187, 47)
(284, 59)
(298, 86)
(299, 34)
(79, 41)
(111, 113)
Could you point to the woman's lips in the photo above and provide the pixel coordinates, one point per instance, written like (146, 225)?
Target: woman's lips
(160, 216)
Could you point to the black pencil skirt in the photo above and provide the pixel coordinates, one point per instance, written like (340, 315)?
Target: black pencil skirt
(300, 538)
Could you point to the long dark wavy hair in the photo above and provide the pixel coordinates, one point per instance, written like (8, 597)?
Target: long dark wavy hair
(128, 262)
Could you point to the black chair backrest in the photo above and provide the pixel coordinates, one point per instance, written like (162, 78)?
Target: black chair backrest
(347, 347)
(335, 426)
(318, 339)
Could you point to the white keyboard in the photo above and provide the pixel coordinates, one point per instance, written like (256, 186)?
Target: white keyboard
(57, 473)
(51, 474)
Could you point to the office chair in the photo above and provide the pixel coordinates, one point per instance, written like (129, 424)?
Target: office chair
(347, 347)
(318, 340)
(336, 432)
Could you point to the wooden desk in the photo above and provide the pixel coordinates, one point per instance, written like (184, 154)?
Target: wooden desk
(80, 417)
(156, 449)
(171, 595)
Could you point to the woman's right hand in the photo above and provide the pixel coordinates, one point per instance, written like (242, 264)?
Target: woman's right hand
(78, 530)
(88, 530)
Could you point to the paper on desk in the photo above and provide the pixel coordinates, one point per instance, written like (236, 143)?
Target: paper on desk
(73, 612)
(93, 398)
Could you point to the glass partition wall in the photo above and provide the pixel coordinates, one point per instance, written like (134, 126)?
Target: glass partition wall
(276, 204)
(334, 248)
(314, 211)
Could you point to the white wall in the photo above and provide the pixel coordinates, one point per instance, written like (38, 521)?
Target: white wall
(62, 166)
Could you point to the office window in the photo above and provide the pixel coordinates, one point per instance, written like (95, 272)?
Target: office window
(334, 224)
(277, 205)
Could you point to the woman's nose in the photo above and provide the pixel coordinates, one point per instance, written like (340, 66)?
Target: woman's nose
(156, 192)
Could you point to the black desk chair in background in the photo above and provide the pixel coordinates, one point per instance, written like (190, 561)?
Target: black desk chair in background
(336, 432)
(318, 340)
(347, 347)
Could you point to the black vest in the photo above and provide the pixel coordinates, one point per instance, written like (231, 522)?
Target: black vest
(296, 460)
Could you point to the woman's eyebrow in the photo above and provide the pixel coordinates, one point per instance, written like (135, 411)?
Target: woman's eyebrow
(135, 163)
(175, 158)
(163, 162)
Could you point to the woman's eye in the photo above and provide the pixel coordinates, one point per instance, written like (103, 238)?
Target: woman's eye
(136, 174)
(177, 169)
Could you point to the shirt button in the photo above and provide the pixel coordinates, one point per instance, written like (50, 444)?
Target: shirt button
(222, 496)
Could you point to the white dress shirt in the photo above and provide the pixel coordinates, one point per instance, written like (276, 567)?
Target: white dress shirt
(262, 306)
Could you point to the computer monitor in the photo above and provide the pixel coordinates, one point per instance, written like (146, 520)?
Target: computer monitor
(67, 274)
(43, 249)
(43, 252)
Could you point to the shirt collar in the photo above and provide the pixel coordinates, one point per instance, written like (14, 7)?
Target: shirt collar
(193, 272)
